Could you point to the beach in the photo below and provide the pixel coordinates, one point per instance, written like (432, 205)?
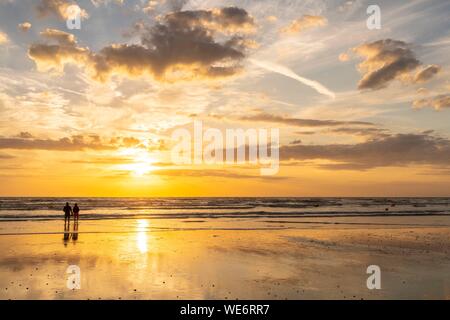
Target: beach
(238, 257)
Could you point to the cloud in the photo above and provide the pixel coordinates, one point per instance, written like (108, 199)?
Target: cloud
(25, 26)
(226, 20)
(385, 60)
(394, 150)
(344, 57)
(55, 56)
(3, 38)
(304, 23)
(26, 141)
(59, 8)
(25, 135)
(274, 67)
(98, 3)
(105, 160)
(4, 156)
(182, 46)
(438, 102)
(176, 5)
(363, 132)
(74, 143)
(61, 37)
(265, 117)
(427, 73)
(151, 5)
(197, 173)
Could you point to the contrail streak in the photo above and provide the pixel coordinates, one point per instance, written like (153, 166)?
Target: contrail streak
(270, 66)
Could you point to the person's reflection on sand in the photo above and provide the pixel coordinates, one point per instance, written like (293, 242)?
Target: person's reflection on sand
(66, 233)
(70, 235)
(75, 232)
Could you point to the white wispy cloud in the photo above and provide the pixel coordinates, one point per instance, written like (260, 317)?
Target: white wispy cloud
(274, 67)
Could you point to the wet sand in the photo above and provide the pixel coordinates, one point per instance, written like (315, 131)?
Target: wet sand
(301, 258)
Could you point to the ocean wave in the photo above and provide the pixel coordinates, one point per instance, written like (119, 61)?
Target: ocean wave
(202, 215)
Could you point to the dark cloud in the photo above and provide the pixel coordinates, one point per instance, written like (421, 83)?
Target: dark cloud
(24, 135)
(385, 60)
(181, 46)
(395, 150)
(26, 141)
(364, 132)
(427, 73)
(74, 143)
(229, 19)
(297, 122)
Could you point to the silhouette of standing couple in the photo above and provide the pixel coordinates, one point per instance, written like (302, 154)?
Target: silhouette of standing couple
(68, 211)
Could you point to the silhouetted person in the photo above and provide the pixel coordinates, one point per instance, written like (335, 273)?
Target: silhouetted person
(67, 211)
(76, 212)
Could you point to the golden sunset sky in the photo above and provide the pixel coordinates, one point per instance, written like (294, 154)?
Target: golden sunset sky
(91, 112)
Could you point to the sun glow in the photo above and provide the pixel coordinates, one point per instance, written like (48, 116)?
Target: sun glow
(142, 162)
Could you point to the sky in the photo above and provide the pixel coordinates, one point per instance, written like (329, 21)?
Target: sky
(92, 111)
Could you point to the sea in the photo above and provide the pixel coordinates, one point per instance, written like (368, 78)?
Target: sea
(50, 208)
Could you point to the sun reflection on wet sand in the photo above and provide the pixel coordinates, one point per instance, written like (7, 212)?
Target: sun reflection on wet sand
(141, 236)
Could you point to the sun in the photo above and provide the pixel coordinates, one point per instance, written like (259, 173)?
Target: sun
(142, 161)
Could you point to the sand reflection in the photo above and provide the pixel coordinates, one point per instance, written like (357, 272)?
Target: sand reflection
(141, 235)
